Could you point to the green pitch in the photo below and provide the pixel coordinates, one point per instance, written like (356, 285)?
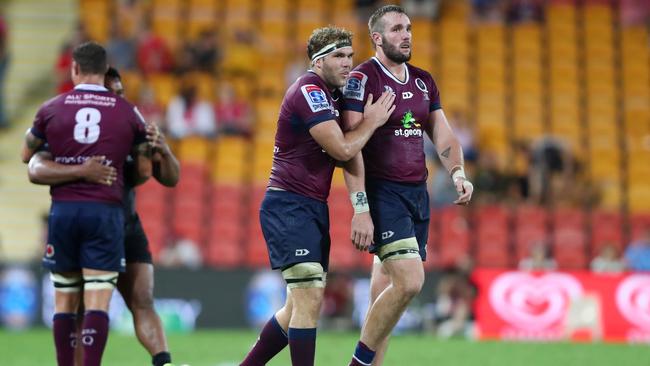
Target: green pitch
(226, 348)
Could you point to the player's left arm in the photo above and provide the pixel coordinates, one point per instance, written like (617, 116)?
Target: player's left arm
(166, 168)
(362, 228)
(30, 146)
(142, 169)
(450, 153)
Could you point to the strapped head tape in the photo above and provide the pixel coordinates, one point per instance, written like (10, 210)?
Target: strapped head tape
(329, 49)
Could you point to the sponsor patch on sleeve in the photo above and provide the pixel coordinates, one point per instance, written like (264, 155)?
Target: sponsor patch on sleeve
(316, 97)
(356, 86)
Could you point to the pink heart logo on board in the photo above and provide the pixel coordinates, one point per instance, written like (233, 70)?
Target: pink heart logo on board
(531, 302)
(633, 300)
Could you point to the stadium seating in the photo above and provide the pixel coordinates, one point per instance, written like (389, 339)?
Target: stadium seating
(578, 75)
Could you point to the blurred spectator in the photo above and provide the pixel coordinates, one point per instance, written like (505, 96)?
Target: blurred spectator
(607, 261)
(296, 67)
(233, 113)
(4, 65)
(204, 53)
(464, 131)
(183, 253)
(187, 115)
(489, 11)
(153, 55)
(242, 55)
(121, 48)
(520, 11)
(427, 9)
(637, 254)
(443, 191)
(452, 311)
(491, 183)
(149, 108)
(549, 158)
(337, 301)
(539, 259)
(64, 61)
(634, 12)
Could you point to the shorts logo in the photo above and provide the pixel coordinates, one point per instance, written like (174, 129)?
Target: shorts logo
(316, 97)
(387, 235)
(355, 86)
(301, 252)
(49, 250)
(123, 262)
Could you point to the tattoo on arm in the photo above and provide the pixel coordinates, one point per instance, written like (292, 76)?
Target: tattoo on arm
(32, 142)
(446, 152)
(143, 149)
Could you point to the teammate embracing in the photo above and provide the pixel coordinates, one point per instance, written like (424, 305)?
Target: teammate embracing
(396, 172)
(294, 213)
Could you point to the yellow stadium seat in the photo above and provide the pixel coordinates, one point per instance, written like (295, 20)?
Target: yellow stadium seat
(194, 150)
(164, 86)
(229, 164)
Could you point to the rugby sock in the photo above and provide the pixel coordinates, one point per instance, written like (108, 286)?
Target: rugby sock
(271, 341)
(93, 336)
(302, 344)
(363, 355)
(159, 359)
(64, 328)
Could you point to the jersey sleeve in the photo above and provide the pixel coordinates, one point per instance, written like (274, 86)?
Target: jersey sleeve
(434, 95)
(356, 91)
(312, 106)
(40, 123)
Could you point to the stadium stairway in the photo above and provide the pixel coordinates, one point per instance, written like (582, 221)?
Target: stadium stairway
(37, 29)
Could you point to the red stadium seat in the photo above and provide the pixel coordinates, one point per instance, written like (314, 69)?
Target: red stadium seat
(492, 237)
(530, 228)
(569, 239)
(638, 223)
(606, 228)
(454, 235)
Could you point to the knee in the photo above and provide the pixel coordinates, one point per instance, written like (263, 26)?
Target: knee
(411, 287)
(141, 301)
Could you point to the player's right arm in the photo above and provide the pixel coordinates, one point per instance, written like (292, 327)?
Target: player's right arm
(43, 170)
(344, 147)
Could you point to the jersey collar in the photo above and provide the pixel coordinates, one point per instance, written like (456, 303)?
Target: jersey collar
(90, 87)
(390, 74)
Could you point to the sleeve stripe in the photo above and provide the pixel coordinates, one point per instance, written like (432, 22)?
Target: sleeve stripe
(434, 107)
(352, 106)
(37, 133)
(318, 119)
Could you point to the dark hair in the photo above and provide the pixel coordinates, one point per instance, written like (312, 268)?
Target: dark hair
(112, 73)
(375, 24)
(321, 37)
(91, 58)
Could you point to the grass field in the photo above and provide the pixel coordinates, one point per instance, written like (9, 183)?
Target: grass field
(226, 348)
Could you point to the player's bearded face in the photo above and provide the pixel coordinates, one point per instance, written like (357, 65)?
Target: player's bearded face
(336, 70)
(397, 52)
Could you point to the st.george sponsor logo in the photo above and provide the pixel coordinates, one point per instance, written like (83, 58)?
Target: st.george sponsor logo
(408, 132)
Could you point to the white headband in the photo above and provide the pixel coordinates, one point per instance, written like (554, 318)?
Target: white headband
(329, 49)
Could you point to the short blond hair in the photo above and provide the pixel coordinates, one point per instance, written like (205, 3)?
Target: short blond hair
(321, 37)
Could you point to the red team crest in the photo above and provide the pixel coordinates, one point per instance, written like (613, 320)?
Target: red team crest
(49, 250)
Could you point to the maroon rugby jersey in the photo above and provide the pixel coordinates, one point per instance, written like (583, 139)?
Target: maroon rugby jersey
(89, 121)
(300, 164)
(395, 152)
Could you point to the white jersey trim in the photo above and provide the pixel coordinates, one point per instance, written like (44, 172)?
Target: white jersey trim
(90, 87)
(390, 74)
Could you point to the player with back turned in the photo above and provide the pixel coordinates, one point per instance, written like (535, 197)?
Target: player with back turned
(137, 282)
(85, 248)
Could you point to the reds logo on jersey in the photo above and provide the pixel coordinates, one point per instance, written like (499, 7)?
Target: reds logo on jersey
(316, 97)
(356, 86)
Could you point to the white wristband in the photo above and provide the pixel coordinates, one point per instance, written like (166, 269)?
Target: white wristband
(359, 202)
(459, 173)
